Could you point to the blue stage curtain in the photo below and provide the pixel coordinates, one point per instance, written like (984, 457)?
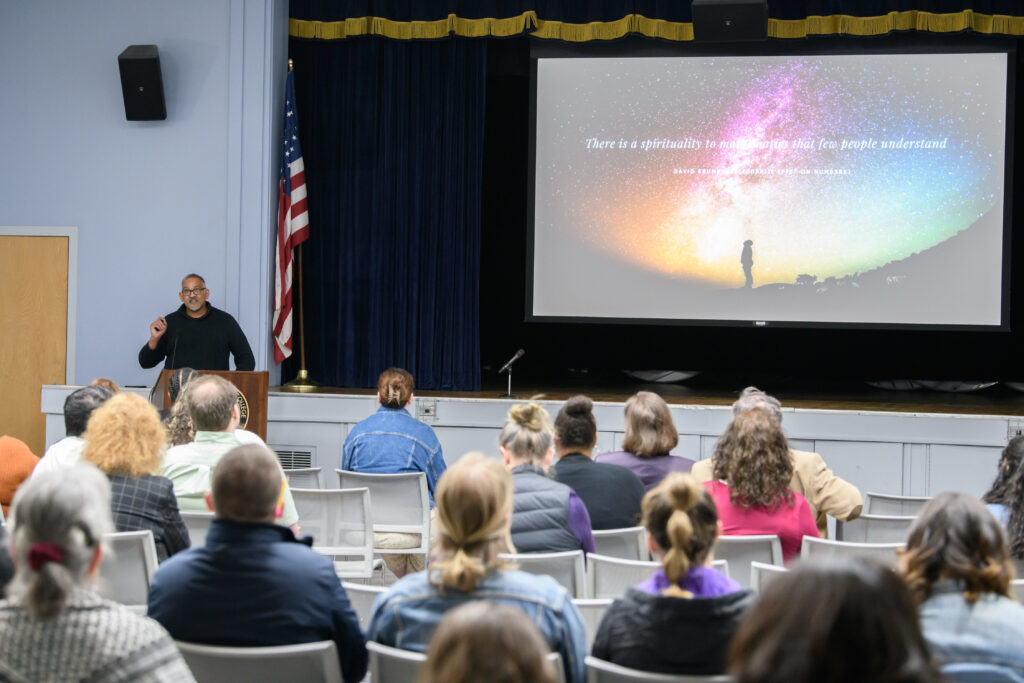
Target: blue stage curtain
(392, 139)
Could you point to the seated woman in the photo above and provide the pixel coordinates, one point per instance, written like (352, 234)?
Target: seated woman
(53, 626)
(958, 570)
(548, 516)
(999, 497)
(752, 469)
(682, 619)
(126, 440)
(650, 435)
(474, 507)
(841, 620)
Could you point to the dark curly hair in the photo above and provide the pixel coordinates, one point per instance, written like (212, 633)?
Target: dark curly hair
(1008, 466)
(752, 457)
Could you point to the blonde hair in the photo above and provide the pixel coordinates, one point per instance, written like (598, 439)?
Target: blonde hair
(650, 430)
(527, 433)
(474, 512)
(681, 516)
(395, 387)
(125, 436)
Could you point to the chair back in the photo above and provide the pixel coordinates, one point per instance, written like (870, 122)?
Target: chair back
(740, 551)
(629, 543)
(979, 672)
(888, 504)
(1017, 589)
(609, 577)
(198, 525)
(874, 529)
(558, 665)
(393, 665)
(723, 566)
(592, 610)
(566, 568)
(762, 574)
(127, 569)
(882, 553)
(304, 662)
(362, 597)
(399, 503)
(305, 478)
(600, 671)
(339, 522)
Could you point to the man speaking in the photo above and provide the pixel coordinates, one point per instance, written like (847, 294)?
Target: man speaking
(197, 335)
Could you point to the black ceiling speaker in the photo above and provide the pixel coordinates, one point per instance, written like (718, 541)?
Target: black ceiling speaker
(730, 20)
(141, 84)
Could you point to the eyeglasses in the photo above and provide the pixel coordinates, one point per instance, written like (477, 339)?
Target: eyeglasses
(190, 292)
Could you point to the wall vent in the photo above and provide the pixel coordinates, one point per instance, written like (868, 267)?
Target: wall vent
(294, 458)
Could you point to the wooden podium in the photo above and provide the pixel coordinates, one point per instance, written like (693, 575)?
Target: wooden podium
(252, 396)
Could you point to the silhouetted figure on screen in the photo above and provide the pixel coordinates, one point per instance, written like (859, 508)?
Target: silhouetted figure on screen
(747, 261)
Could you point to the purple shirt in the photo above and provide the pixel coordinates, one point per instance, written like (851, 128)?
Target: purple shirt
(650, 470)
(703, 582)
(579, 522)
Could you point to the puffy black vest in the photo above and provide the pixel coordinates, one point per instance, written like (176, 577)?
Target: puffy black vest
(540, 517)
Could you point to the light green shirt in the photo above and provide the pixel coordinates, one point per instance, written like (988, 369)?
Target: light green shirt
(190, 468)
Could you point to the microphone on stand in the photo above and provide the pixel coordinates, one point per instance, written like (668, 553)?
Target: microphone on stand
(519, 354)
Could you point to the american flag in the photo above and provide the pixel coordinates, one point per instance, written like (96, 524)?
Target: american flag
(292, 224)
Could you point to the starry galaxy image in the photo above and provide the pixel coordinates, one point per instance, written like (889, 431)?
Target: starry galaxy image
(836, 188)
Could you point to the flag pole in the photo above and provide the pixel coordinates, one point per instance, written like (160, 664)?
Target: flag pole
(302, 383)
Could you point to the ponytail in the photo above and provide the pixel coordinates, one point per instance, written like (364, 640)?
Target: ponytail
(681, 517)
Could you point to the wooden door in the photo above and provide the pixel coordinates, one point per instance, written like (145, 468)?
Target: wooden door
(33, 330)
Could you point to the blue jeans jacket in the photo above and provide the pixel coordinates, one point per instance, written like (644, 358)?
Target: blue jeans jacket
(408, 613)
(990, 631)
(392, 441)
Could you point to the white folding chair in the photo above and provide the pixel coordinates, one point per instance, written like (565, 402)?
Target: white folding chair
(979, 672)
(566, 568)
(762, 574)
(740, 551)
(874, 529)
(198, 525)
(339, 522)
(609, 577)
(127, 568)
(592, 610)
(889, 504)
(399, 503)
(304, 662)
(600, 671)
(882, 553)
(362, 597)
(722, 566)
(305, 478)
(558, 665)
(392, 665)
(629, 543)
(1017, 588)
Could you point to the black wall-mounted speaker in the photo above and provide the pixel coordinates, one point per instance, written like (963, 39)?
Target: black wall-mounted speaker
(730, 20)
(141, 83)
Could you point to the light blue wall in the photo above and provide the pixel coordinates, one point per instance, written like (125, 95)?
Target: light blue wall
(151, 200)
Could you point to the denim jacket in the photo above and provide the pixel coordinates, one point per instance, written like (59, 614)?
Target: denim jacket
(406, 616)
(989, 631)
(392, 441)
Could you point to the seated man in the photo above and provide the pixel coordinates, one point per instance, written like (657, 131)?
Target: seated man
(826, 493)
(212, 402)
(253, 584)
(78, 407)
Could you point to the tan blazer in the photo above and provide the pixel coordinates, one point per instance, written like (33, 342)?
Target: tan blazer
(826, 493)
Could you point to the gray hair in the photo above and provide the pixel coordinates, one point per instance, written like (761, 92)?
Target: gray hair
(753, 398)
(69, 508)
(210, 400)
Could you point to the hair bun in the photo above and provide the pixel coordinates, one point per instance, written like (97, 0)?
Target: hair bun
(684, 490)
(529, 415)
(578, 406)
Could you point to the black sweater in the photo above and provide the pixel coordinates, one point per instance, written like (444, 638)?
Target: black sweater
(611, 493)
(200, 343)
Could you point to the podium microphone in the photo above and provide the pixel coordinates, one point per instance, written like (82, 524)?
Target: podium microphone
(508, 366)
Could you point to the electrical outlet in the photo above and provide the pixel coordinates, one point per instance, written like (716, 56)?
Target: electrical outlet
(1014, 427)
(426, 410)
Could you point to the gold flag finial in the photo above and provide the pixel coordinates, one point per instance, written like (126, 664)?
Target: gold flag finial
(291, 64)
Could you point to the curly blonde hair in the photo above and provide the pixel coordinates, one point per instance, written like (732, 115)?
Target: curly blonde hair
(125, 436)
(752, 457)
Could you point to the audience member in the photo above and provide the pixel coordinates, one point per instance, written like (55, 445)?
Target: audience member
(392, 441)
(126, 440)
(752, 471)
(212, 402)
(474, 506)
(1015, 517)
(547, 516)
(53, 626)
(78, 406)
(611, 493)
(836, 620)
(680, 620)
(999, 497)
(16, 463)
(488, 641)
(826, 493)
(959, 572)
(650, 436)
(253, 584)
(176, 382)
(109, 384)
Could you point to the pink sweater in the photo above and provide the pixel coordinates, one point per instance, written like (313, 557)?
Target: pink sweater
(789, 523)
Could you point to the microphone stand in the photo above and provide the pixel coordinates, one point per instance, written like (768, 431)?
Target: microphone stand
(509, 394)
